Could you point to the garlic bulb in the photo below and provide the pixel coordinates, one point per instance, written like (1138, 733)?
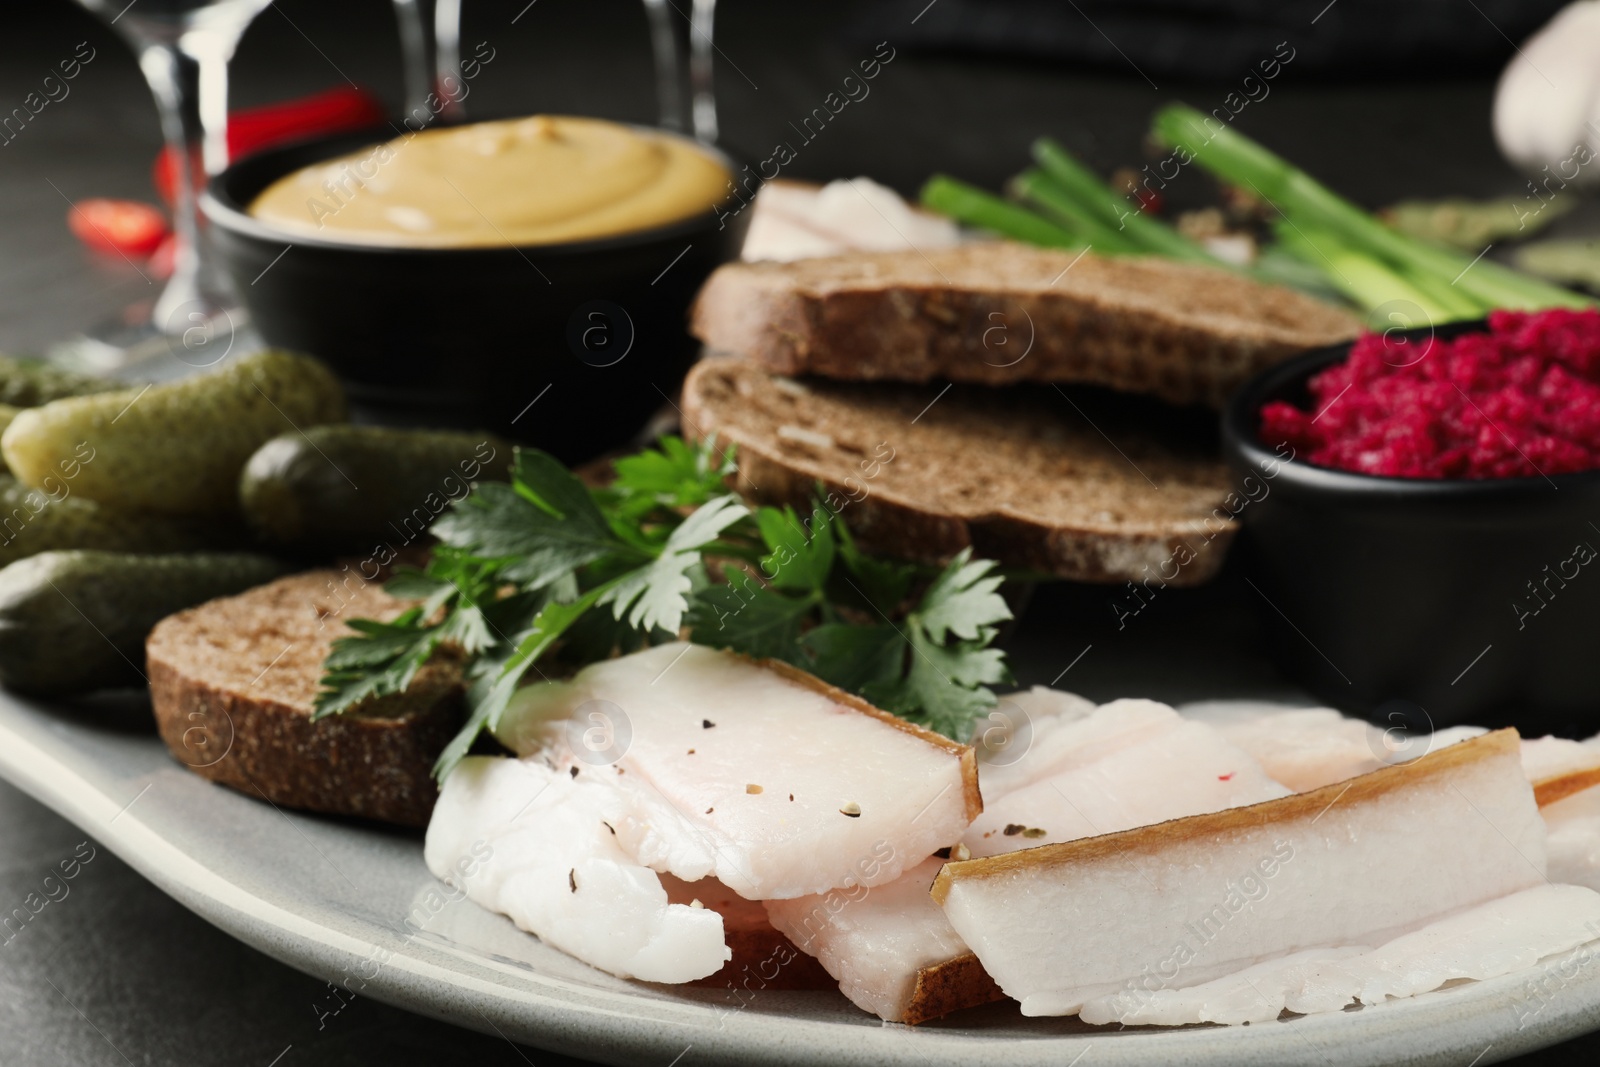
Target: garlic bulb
(1547, 106)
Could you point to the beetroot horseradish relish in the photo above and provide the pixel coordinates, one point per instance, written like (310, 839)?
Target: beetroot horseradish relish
(1521, 400)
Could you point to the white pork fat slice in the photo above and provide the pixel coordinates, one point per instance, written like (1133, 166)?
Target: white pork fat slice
(1563, 776)
(531, 843)
(1256, 994)
(1559, 768)
(793, 220)
(1188, 769)
(1499, 937)
(1306, 748)
(1034, 734)
(877, 942)
(1125, 764)
(754, 773)
(1197, 898)
(1574, 846)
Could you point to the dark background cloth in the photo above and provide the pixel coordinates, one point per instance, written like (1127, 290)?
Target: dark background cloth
(118, 973)
(1227, 38)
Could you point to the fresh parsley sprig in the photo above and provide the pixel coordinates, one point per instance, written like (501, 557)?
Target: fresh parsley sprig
(662, 549)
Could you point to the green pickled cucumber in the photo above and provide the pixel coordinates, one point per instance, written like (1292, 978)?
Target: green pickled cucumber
(38, 520)
(346, 488)
(26, 383)
(175, 449)
(73, 622)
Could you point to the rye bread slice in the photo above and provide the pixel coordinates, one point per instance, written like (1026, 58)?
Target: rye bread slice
(1028, 477)
(997, 312)
(950, 986)
(762, 957)
(232, 683)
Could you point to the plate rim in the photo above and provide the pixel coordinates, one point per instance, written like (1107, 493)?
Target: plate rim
(620, 1026)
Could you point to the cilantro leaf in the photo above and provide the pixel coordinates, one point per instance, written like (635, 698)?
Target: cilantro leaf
(544, 522)
(599, 635)
(654, 597)
(540, 477)
(468, 629)
(490, 696)
(521, 567)
(673, 474)
(950, 664)
(743, 615)
(875, 584)
(963, 600)
(943, 687)
(409, 583)
(379, 659)
(799, 559)
(854, 657)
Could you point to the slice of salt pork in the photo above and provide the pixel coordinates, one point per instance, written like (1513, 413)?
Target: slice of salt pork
(1571, 814)
(1197, 898)
(1559, 768)
(756, 774)
(1125, 764)
(1306, 748)
(1502, 936)
(891, 949)
(1185, 768)
(532, 843)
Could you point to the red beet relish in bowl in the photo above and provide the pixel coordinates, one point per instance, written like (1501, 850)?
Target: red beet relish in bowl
(1520, 400)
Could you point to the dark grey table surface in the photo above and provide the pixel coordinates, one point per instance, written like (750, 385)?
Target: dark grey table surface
(119, 974)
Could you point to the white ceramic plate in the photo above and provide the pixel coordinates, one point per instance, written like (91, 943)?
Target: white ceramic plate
(354, 904)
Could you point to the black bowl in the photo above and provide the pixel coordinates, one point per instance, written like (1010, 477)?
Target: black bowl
(570, 347)
(1423, 601)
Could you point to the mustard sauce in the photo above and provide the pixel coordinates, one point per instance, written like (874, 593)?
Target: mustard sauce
(538, 180)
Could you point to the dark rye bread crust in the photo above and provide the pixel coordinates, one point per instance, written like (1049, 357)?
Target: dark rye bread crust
(1019, 481)
(232, 684)
(950, 986)
(763, 958)
(1182, 332)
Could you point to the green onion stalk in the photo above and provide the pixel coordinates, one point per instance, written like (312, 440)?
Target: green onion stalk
(978, 207)
(1361, 279)
(1236, 159)
(1036, 187)
(1073, 179)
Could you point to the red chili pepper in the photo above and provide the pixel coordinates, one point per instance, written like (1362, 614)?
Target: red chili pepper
(1150, 202)
(257, 128)
(127, 227)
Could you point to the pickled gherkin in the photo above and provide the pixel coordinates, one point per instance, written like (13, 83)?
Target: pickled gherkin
(26, 383)
(173, 449)
(346, 488)
(73, 622)
(55, 517)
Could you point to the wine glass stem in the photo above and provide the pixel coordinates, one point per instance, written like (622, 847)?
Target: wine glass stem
(174, 79)
(211, 52)
(665, 43)
(189, 80)
(701, 20)
(447, 59)
(413, 57)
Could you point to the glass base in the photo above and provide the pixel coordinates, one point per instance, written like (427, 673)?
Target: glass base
(142, 352)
